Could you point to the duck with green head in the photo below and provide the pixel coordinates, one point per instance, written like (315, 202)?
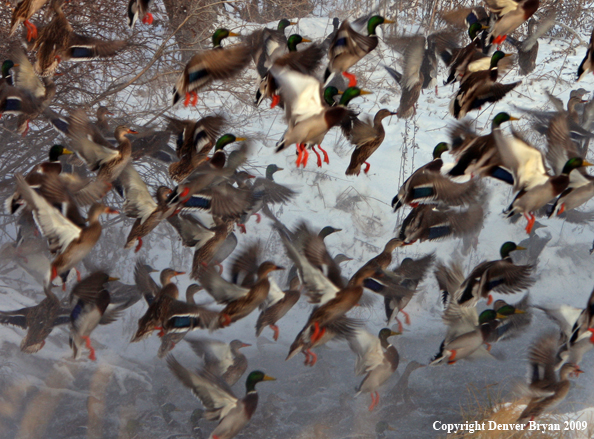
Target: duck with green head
(478, 155)
(6, 79)
(528, 201)
(498, 276)
(427, 185)
(480, 88)
(459, 344)
(307, 125)
(232, 413)
(349, 46)
(458, 59)
(217, 64)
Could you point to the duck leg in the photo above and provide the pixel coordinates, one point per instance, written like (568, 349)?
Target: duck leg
(406, 317)
(90, 348)
(318, 333)
(352, 78)
(160, 329)
(306, 353)
(275, 100)
(489, 299)
(531, 220)
(226, 320)
(367, 166)
(31, 30)
(194, 98)
(318, 156)
(78, 276)
(561, 209)
(452, 358)
(299, 154)
(139, 246)
(148, 18)
(326, 159)
(276, 331)
(314, 358)
(242, 228)
(400, 328)
(258, 217)
(26, 129)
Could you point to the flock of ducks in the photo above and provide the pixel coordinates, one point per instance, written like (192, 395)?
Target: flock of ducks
(446, 201)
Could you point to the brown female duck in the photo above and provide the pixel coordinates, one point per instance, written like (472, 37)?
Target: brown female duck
(24, 10)
(140, 205)
(39, 320)
(277, 304)
(367, 138)
(71, 242)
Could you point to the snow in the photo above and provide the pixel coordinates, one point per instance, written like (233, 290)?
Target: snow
(307, 398)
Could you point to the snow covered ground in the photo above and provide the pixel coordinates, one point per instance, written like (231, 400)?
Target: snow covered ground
(122, 389)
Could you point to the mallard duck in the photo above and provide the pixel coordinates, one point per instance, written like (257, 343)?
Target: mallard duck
(518, 318)
(399, 286)
(500, 276)
(428, 185)
(265, 191)
(339, 329)
(71, 242)
(459, 59)
(57, 42)
(532, 198)
(140, 205)
(23, 11)
(107, 162)
(215, 64)
(7, 66)
(383, 260)
(511, 14)
(588, 61)
(366, 137)
(304, 61)
(265, 43)
(91, 309)
(544, 388)
(466, 333)
(560, 149)
(479, 155)
(349, 46)
(38, 320)
(478, 88)
(528, 49)
(29, 97)
(376, 358)
(240, 301)
(411, 79)
(208, 175)
(221, 405)
(277, 304)
(158, 310)
(139, 8)
(222, 359)
(427, 223)
(308, 119)
(190, 160)
(208, 248)
(576, 331)
(101, 123)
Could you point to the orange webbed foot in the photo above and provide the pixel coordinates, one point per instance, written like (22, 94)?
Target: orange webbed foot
(319, 161)
(275, 101)
(406, 317)
(139, 246)
(352, 79)
(367, 166)
(276, 332)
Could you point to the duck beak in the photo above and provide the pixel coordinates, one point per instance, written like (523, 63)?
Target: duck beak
(251, 176)
(520, 248)
(245, 345)
(234, 34)
(268, 378)
(392, 333)
(585, 163)
(179, 273)
(501, 316)
(240, 139)
(109, 210)
(292, 23)
(391, 428)
(365, 92)
(280, 169)
(66, 151)
(340, 92)
(386, 21)
(131, 131)
(483, 27)
(513, 118)
(519, 311)
(278, 267)
(507, 54)
(112, 279)
(578, 371)
(305, 40)
(16, 65)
